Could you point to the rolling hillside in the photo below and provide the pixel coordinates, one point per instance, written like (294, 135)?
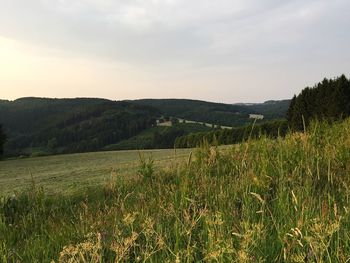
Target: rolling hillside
(232, 115)
(42, 126)
(201, 111)
(70, 125)
(271, 109)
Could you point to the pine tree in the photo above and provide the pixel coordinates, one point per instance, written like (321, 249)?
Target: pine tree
(290, 111)
(329, 99)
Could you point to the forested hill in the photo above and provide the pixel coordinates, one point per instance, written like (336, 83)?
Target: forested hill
(71, 125)
(271, 109)
(36, 126)
(217, 113)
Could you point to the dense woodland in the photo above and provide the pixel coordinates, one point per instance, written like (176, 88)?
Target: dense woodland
(70, 125)
(328, 100)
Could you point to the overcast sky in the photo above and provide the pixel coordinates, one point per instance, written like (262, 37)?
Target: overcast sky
(222, 50)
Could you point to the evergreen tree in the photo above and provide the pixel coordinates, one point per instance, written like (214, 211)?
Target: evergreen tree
(328, 100)
(291, 109)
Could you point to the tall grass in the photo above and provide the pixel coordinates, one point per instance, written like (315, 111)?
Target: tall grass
(283, 200)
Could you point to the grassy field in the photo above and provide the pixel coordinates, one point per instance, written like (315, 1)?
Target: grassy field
(282, 200)
(76, 172)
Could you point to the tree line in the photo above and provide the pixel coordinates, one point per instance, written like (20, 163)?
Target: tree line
(328, 100)
(232, 136)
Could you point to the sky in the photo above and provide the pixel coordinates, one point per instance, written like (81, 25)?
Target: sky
(223, 50)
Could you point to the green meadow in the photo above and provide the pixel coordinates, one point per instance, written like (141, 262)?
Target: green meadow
(72, 173)
(265, 200)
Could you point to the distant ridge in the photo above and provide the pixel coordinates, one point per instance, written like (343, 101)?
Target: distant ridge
(51, 125)
(271, 109)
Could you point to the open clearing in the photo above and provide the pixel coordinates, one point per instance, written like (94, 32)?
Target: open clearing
(73, 172)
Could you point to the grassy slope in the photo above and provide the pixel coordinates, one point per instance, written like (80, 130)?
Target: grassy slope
(74, 172)
(284, 200)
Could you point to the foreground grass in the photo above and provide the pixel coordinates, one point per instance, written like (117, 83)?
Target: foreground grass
(284, 200)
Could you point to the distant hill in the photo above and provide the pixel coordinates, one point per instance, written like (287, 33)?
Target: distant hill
(271, 109)
(233, 115)
(40, 126)
(70, 125)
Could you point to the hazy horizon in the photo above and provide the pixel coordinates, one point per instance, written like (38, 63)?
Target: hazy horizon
(160, 98)
(229, 51)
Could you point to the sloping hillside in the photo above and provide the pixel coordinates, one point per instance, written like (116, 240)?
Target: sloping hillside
(232, 115)
(70, 125)
(284, 200)
(201, 111)
(271, 109)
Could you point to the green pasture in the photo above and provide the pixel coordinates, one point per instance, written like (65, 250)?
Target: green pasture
(74, 172)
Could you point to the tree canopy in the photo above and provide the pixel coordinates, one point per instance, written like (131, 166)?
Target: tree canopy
(328, 100)
(270, 129)
(39, 126)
